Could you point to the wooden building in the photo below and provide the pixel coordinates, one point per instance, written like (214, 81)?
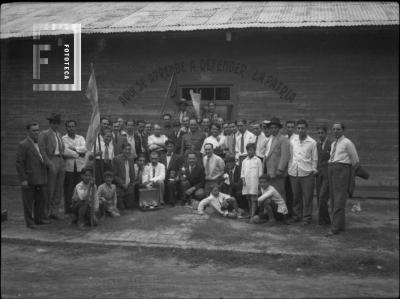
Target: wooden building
(319, 61)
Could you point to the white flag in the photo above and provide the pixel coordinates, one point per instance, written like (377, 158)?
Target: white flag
(196, 100)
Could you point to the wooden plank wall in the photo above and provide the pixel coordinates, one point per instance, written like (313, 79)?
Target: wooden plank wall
(347, 74)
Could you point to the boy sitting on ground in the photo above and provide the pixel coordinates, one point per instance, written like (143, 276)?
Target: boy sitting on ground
(224, 204)
(83, 201)
(269, 202)
(107, 194)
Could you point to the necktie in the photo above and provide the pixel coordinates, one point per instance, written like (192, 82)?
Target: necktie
(106, 154)
(269, 145)
(234, 142)
(207, 170)
(168, 160)
(333, 151)
(58, 143)
(190, 169)
(127, 178)
(242, 144)
(231, 176)
(154, 171)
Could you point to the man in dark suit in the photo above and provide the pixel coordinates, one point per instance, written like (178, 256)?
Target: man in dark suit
(322, 182)
(192, 179)
(173, 164)
(233, 184)
(32, 173)
(52, 150)
(124, 177)
(176, 135)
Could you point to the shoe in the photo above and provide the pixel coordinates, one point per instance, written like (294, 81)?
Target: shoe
(305, 223)
(81, 226)
(331, 233)
(41, 222)
(291, 220)
(30, 225)
(55, 217)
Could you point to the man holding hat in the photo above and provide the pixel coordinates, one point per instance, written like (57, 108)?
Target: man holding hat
(277, 156)
(52, 149)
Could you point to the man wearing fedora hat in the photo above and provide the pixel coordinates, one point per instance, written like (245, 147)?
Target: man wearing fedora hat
(52, 149)
(277, 156)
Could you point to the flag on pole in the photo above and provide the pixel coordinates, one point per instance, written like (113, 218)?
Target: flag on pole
(94, 124)
(171, 93)
(196, 100)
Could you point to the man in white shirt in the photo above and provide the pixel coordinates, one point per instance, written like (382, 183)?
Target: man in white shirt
(104, 156)
(302, 169)
(216, 139)
(243, 137)
(343, 156)
(221, 202)
(74, 155)
(156, 141)
(260, 141)
(214, 168)
(154, 175)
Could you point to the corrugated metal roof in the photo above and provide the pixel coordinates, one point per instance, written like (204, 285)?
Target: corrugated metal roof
(17, 19)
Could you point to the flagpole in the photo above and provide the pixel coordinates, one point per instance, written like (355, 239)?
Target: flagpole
(92, 187)
(166, 94)
(94, 171)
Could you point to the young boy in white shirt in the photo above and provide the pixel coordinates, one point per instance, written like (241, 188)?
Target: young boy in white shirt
(224, 204)
(270, 201)
(81, 199)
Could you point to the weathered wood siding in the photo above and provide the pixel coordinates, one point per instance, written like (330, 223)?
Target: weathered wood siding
(347, 74)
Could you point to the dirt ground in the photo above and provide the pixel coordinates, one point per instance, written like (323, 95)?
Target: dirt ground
(32, 271)
(363, 262)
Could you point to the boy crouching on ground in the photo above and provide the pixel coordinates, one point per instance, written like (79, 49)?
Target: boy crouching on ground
(81, 199)
(107, 194)
(224, 204)
(270, 202)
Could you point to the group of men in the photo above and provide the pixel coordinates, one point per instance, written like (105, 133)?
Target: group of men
(184, 159)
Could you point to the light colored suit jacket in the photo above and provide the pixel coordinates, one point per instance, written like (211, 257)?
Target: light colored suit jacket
(278, 156)
(47, 145)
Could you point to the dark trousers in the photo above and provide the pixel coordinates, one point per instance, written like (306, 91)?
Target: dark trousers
(70, 181)
(279, 184)
(81, 210)
(322, 186)
(126, 198)
(289, 196)
(303, 191)
(171, 189)
(101, 167)
(339, 175)
(198, 194)
(237, 194)
(55, 186)
(34, 200)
